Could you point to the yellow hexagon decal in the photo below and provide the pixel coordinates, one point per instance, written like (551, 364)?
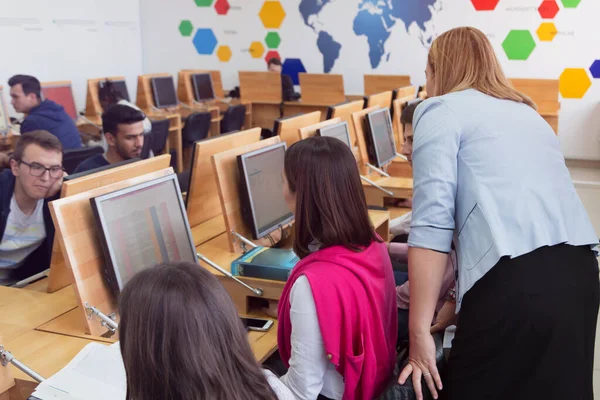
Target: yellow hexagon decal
(257, 49)
(547, 31)
(574, 83)
(272, 14)
(224, 53)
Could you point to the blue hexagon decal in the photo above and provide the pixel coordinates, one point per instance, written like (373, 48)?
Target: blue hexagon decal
(205, 41)
(292, 67)
(595, 69)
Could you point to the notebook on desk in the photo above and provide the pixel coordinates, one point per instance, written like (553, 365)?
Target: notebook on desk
(96, 373)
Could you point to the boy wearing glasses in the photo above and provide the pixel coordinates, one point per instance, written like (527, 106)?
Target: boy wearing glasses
(26, 229)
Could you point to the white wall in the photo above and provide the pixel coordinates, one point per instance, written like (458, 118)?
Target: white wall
(575, 46)
(70, 40)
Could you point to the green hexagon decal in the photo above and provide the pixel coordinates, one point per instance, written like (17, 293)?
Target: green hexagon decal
(186, 28)
(272, 40)
(204, 3)
(518, 45)
(570, 3)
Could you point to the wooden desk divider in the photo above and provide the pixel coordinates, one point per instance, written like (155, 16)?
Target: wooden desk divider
(398, 106)
(323, 89)
(185, 91)
(76, 232)
(202, 202)
(93, 108)
(260, 87)
(145, 98)
(226, 171)
(311, 130)
(359, 123)
(60, 275)
(6, 379)
(406, 91)
(382, 83)
(344, 111)
(544, 92)
(287, 128)
(383, 100)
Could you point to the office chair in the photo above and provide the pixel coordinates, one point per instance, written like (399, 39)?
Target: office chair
(73, 157)
(160, 135)
(197, 127)
(233, 119)
(147, 148)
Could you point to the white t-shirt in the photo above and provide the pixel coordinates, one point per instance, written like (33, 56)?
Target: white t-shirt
(22, 236)
(281, 391)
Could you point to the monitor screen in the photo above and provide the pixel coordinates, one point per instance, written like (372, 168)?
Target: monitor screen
(165, 94)
(338, 131)
(203, 87)
(381, 137)
(63, 95)
(141, 226)
(263, 205)
(119, 86)
(4, 121)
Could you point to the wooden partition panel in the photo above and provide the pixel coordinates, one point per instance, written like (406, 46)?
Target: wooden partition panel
(544, 92)
(228, 183)
(61, 276)
(311, 130)
(383, 100)
(260, 87)
(76, 232)
(382, 83)
(93, 108)
(287, 128)
(324, 89)
(344, 111)
(185, 91)
(202, 200)
(358, 120)
(407, 91)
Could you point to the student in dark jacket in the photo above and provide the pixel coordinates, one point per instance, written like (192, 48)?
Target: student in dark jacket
(26, 229)
(25, 92)
(287, 85)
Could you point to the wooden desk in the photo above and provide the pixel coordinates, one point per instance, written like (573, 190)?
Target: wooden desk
(401, 187)
(265, 113)
(291, 108)
(30, 309)
(263, 90)
(382, 83)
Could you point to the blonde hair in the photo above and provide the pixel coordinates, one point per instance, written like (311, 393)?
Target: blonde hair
(463, 58)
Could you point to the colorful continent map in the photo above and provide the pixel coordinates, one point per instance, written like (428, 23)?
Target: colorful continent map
(374, 19)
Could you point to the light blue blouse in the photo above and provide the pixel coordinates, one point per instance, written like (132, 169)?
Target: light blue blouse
(490, 176)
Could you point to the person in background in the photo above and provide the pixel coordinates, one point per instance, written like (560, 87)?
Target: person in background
(123, 128)
(25, 92)
(337, 319)
(489, 176)
(181, 338)
(26, 229)
(110, 96)
(287, 85)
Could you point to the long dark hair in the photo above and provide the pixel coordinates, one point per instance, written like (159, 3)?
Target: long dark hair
(181, 338)
(330, 202)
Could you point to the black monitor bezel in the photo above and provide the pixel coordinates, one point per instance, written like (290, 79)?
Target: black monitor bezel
(153, 81)
(248, 211)
(333, 126)
(374, 155)
(102, 83)
(194, 77)
(112, 277)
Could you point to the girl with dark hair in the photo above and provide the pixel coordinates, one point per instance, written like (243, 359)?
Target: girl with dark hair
(181, 339)
(337, 313)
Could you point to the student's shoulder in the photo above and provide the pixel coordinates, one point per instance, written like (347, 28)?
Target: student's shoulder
(90, 163)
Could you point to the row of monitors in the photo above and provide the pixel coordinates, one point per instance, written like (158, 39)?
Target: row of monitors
(147, 224)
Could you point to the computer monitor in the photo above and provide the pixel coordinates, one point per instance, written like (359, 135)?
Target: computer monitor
(61, 94)
(99, 169)
(338, 131)
(203, 87)
(4, 121)
(141, 226)
(263, 206)
(120, 86)
(380, 137)
(165, 95)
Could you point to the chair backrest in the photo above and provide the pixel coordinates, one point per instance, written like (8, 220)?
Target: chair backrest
(73, 157)
(196, 128)
(148, 139)
(160, 135)
(233, 119)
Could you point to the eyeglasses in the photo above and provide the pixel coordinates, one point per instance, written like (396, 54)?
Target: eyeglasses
(37, 170)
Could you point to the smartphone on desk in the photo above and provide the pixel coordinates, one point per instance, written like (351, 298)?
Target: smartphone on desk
(257, 324)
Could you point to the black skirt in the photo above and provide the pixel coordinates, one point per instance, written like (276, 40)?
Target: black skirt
(527, 329)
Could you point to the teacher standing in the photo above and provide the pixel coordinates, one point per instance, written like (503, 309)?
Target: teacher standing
(490, 176)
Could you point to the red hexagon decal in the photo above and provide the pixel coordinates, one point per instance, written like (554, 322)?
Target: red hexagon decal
(222, 7)
(548, 9)
(272, 54)
(485, 5)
